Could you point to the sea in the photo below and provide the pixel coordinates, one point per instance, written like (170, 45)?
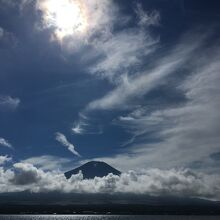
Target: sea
(105, 217)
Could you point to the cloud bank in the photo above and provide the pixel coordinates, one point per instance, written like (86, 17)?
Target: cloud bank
(156, 182)
(4, 159)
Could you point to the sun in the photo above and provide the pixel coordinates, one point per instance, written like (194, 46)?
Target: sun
(67, 17)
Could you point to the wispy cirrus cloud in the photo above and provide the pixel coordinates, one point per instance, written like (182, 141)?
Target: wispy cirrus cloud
(49, 162)
(8, 103)
(20, 4)
(184, 134)
(122, 51)
(1, 33)
(120, 55)
(147, 19)
(61, 138)
(5, 143)
(125, 50)
(86, 125)
(140, 84)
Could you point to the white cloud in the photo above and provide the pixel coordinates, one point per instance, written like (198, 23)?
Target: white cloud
(184, 134)
(78, 127)
(1, 33)
(156, 182)
(118, 51)
(86, 125)
(121, 51)
(9, 103)
(26, 174)
(146, 18)
(4, 159)
(141, 83)
(124, 51)
(76, 29)
(63, 140)
(49, 162)
(5, 143)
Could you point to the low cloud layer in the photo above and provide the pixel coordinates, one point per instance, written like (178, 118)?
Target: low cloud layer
(4, 159)
(155, 182)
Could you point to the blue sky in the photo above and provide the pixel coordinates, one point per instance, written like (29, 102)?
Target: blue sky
(133, 83)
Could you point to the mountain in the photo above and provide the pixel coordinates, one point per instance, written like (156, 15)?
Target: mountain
(93, 169)
(83, 203)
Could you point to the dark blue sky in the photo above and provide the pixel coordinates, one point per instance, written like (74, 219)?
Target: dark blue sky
(140, 83)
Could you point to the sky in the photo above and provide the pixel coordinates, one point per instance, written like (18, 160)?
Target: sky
(131, 83)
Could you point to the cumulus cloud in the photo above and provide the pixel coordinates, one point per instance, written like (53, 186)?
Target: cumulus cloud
(61, 138)
(4, 159)
(26, 174)
(5, 143)
(9, 103)
(156, 182)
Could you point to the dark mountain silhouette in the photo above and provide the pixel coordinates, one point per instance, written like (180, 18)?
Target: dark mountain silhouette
(81, 203)
(93, 169)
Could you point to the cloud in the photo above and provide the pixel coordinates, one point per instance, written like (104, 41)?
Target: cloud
(121, 51)
(108, 52)
(140, 84)
(26, 174)
(5, 143)
(18, 4)
(156, 182)
(117, 56)
(77, 129)
(7, 39)
(4, 159)
(146, 18)
(182, 134)
(86, 125)
(48, 162)
(63, 140)
(8, 103)
(75, 30)
(1, 33)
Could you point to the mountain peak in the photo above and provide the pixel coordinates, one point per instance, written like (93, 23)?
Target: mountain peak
(93, 169)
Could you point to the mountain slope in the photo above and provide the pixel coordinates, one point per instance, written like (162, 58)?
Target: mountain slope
(93, 169)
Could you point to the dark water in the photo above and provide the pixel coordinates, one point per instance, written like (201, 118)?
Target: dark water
(104, 217)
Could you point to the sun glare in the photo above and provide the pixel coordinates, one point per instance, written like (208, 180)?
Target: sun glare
(68, 17)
